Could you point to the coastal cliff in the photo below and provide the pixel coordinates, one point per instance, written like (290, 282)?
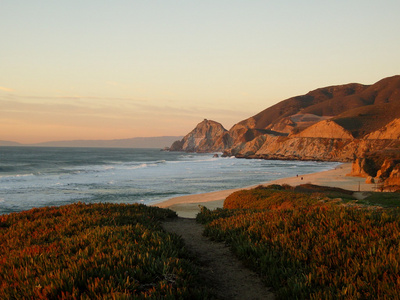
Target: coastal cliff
(336, 123)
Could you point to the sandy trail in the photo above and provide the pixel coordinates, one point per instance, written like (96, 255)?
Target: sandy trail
(220, 269)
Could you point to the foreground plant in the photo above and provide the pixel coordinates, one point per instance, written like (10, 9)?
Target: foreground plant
(94, 251)
(311, 249)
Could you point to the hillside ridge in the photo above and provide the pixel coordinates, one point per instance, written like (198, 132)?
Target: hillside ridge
(334, 123)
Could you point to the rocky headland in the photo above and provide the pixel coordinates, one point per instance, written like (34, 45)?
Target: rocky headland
(351, 122)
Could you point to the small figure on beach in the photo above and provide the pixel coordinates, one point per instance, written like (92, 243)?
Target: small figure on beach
(301, 178)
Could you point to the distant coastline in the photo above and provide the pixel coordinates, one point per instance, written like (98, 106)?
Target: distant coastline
(138, 142)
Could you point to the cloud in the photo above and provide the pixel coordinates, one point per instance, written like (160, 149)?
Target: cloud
(125, 116)
(4, 89)
(110, 109)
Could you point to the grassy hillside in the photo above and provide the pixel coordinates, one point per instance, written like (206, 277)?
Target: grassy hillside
(366, 119)
(359, 108)
(317, 102)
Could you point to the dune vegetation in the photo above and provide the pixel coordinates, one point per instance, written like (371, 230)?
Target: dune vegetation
(306, 242)
(98, 251)
(312, 245)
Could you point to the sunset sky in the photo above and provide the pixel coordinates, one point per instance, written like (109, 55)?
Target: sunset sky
(121, 69)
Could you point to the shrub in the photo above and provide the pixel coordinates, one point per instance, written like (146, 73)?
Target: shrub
(269, 198)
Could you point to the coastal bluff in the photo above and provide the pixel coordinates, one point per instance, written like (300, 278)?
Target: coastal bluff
(335, 123)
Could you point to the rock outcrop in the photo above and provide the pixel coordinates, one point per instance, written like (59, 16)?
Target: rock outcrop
(363, 167)
(392, 183)
(386, 169)
(358, 168)
(208, 136)
(381, 167)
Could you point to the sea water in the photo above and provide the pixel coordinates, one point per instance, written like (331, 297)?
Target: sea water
(40, 176)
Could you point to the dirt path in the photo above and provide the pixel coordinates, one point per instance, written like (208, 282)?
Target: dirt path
(223, 272)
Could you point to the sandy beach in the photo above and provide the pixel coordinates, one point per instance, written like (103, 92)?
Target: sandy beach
(188, 206)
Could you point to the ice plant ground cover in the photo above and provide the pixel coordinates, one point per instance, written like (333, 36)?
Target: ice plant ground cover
(106, 251)
(309, 246)
(304, 242)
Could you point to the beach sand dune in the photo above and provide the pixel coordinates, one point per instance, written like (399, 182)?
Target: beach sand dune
(188, 206)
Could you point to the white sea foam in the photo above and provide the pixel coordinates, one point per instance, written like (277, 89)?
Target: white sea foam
(136, 176)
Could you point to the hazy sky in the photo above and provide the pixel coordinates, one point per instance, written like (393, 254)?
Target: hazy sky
(118, 69)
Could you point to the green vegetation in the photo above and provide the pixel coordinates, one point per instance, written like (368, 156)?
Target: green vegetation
(100, 251)
(284, 199)
(306, 246)
(382, 199)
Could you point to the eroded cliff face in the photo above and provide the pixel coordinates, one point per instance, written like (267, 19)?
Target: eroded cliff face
(324, 140)
(381, 168)
(392, 183)
(307, 148)
(325, 129)
(391, 131)
(297, 148)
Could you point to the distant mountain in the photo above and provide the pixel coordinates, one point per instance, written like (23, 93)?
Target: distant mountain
(9, 143)
(139, 142)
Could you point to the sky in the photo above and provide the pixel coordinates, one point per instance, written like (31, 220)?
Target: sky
(121, 69)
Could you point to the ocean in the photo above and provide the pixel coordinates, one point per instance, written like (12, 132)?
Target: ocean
(43, 176)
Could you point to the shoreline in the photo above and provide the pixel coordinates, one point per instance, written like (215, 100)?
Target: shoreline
(189, 205)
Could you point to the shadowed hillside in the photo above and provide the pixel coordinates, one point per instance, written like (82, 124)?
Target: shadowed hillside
(375, 105)
(328, 101)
